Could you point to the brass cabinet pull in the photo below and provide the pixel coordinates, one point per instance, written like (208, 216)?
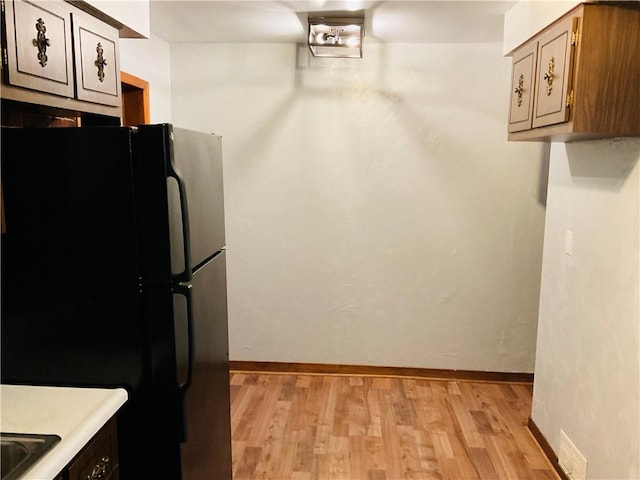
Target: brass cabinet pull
(42, 42)
(549, 76)
(520, 89)
(100, 470)
(100, 62)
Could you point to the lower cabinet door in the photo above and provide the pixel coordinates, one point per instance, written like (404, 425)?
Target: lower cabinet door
(99, 459)
(97, 62)
(39, 51)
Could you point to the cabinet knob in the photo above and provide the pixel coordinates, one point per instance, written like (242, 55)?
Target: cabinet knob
(100, 470)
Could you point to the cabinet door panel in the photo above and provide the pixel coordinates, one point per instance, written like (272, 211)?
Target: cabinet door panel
(522, 88)
(99, 458)
(555, 62)
(97, 62)
(39, 52)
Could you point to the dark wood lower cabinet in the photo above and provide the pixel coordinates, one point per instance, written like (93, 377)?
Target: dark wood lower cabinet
(98, 460)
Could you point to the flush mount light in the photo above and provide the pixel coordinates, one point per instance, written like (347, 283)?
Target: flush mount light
(337, 35)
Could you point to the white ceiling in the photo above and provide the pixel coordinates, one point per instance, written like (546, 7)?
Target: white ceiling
(398, 21)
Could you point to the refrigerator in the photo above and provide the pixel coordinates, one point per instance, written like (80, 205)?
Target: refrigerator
(114, 275)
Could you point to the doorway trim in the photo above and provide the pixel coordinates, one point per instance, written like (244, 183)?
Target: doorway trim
(135, 100)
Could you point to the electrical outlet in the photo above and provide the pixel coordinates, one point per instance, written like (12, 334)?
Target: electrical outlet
(571, 460)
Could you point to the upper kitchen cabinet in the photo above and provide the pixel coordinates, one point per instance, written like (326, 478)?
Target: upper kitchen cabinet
(578, 78)
(522, 73)
(96, 61)
(40, 54)
(58, 56)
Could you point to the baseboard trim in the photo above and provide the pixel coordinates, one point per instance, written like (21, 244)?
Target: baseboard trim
(545, 446)
(364, 370)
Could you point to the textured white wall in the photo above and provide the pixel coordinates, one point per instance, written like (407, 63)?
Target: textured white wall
(376, 213)
(588, 359)
(587, 371)
(528, 17)
(149, 59)
(132, 14)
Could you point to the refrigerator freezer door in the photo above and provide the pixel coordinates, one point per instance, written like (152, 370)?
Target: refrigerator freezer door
(197, 162)
(178, 176)
(207, 450)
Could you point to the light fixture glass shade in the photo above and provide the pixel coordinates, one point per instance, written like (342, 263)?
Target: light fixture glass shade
(338, 36)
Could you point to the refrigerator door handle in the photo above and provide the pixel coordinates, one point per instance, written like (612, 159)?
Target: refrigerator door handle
(185, 275)
(185, 290)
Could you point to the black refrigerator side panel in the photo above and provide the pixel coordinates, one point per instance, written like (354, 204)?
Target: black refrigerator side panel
(70, 294)
(72, 308)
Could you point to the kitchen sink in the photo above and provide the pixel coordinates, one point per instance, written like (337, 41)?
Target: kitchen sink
(20, 451)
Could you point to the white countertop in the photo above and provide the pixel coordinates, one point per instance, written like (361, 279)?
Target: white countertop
(74, 414)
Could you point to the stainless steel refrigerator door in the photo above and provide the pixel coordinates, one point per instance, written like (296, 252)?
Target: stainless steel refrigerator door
(207, 450)
(197, 164)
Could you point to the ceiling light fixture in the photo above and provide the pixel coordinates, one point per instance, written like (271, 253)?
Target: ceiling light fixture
(336, 34)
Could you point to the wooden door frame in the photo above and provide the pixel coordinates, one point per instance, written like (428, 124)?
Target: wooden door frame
(132, 85)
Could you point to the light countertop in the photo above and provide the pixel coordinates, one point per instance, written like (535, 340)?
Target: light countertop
(74, 414)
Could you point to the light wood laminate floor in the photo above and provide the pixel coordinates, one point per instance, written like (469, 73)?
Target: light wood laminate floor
(378, 428)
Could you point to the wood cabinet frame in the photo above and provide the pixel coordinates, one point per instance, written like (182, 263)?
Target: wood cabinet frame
(29, 89)
(601, 75)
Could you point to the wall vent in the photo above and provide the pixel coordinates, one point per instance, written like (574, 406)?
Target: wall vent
(571, 460)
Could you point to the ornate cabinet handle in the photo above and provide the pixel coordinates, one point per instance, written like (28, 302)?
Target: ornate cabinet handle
(100, 470)
(42, 42)
(549, 76)
(520, 89)
(100, 62)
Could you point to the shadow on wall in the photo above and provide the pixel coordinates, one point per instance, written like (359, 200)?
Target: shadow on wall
(543, 179)
(359, 83)
(322, 78)
(607, 163)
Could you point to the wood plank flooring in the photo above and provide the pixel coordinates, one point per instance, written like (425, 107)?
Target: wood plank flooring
(308, 427)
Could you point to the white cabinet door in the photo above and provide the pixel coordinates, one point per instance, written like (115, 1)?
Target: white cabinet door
(39, 51)
(522, 88)
(97, 61)
(555, 67)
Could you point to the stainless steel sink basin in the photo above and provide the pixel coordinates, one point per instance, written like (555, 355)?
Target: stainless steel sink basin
(20, 451)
